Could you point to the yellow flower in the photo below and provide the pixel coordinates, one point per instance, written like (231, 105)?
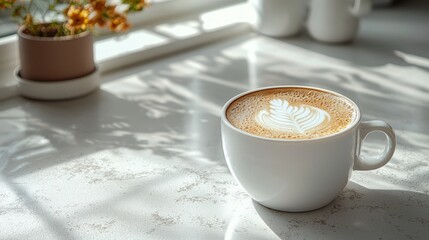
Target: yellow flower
(110, 11)
(79, 15)
(78, 18)
(118, 23)
(98, 5)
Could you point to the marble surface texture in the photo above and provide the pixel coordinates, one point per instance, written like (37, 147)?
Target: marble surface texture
(141, 158)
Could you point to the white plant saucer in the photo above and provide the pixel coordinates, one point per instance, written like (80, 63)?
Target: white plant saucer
(60, 90)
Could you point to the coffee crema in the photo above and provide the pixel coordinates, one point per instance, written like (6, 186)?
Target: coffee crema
(291, 113)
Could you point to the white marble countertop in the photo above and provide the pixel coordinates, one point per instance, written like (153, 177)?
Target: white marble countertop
(141, 158)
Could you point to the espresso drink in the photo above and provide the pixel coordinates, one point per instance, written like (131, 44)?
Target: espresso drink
(291, 113)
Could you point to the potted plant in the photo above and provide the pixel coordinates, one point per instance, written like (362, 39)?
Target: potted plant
(56, 46)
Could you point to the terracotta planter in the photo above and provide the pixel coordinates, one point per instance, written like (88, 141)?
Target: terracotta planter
(56, 58)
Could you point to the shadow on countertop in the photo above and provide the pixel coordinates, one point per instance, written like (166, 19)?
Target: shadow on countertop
(172, 108)
(357, 213)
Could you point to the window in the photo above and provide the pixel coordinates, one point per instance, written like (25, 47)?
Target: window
(159, 9)
(173, 20)
(7, 26)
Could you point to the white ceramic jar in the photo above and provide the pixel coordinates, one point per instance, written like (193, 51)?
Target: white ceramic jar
(279, 18)
(336, 21)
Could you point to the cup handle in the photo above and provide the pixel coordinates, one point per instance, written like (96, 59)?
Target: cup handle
(375, 161)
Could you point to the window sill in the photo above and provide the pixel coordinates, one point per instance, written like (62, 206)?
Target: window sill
(151, 41)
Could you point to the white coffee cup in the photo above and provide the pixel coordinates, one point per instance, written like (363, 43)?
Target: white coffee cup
(300, 175)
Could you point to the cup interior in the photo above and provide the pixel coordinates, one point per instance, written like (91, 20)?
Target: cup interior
(354, 122)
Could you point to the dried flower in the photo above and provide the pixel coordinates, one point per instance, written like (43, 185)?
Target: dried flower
(77, 18)
(72, 16)
(98, 5)
(118, 23)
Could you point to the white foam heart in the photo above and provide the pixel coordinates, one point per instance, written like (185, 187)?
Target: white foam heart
(295, 119)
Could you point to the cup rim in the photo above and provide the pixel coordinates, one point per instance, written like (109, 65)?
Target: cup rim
(351, 126)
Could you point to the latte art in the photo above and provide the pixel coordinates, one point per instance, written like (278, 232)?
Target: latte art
(291, 113)
(295, 119)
